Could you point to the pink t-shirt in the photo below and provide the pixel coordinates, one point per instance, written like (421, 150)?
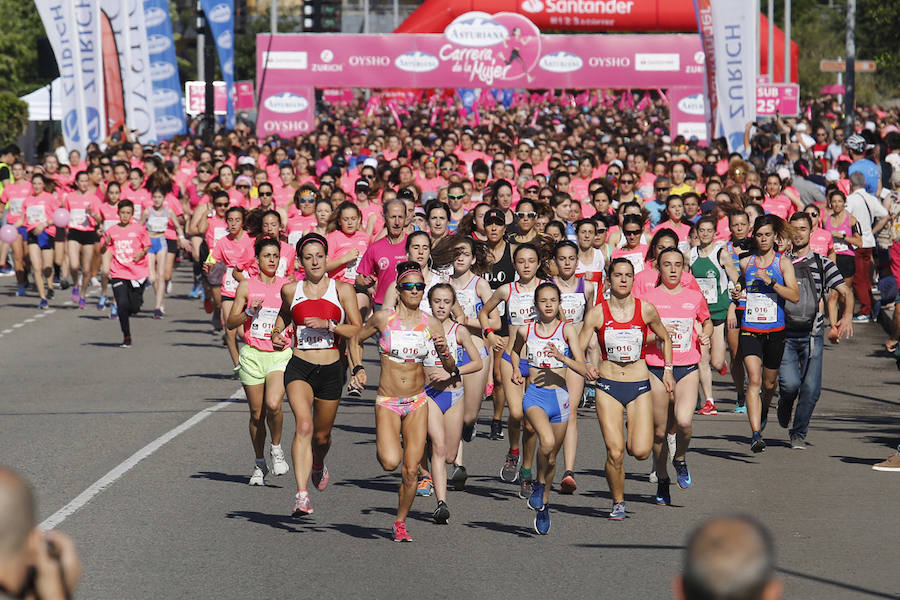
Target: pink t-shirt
(216, 229)
(13, 197)
(821, 242)
(78, 206)
(237, 256)
(174, 205)
(682, 310)
(780, 205)
(646, 281)
(258, 331)
(682, 230)
(298, 226)
(381, 260)
(339, 243)
(140, 197)
(108, 213)
(39, 211)
(723, 230)
(124, 243)
(367, 211)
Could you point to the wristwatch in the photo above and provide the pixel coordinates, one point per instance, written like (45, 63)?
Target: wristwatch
(357, 369)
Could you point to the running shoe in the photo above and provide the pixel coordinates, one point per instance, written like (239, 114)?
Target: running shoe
(458, 478)
(861, 318)
(95, 282)
(101, 302)
(400, 534)
(195, 293)
(542, 520)
(51, 293)
(682, 474)
(6, 270)
(20, 291)
(279, 465)
(64, 284)
(82, 302)
(320, 478)
(672, 441)
(468, 433)
(663, 497)
(354, 392)
(75, 294)
(785, 409)
(757, 444)
(724, 369)
(740, 409)
(169, 287)
(525, 486)
(302, 505)
(653, 477)
(425, 486)
(891, 464)
(114, 312)
(126, 342)
(798, 442)
(441, 514)
(536, 499)
(618, 512)
(157, 314)
(568, 485)
(259, 475)
(708, 409)
(43, 304)
(509, 472)
(496, 430)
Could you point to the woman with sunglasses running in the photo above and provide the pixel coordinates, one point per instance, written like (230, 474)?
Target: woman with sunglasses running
(319, 310)
(680, 310)
(305, 220)
(634, 249)
(401, 409)
(525, 219)
(623, 379)
(770, 282)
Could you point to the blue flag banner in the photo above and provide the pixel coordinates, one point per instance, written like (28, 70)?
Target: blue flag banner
(167, 98)
(220, 17)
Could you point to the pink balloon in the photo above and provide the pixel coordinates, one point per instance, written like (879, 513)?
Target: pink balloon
(61, 217)
(8, 234)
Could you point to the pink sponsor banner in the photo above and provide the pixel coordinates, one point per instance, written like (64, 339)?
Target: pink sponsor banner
(688, 112)
(337, 95)
(195, 96)
(781, 98)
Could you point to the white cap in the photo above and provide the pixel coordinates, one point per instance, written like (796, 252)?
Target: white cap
(832, 175)
(783, 173)
(800, 127)
(371, 162)
(246, 160)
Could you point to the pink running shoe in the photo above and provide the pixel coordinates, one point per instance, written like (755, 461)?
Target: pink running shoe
(708, 409)
(301, 504)
(400, 534)
(320, 478)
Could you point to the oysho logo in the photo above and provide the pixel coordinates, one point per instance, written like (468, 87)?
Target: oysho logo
(168, 125)
(561, 62)
(286, 103)
(476, 30)
(154, 16)
(165, 97)
(161, 70)
(609, 61)
(370, 61)
(416, 62)
(219, 14)
(532, 6)
(224, 40)
(157, 44)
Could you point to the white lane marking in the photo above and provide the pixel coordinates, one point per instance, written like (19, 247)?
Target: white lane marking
(104, 482)
(29, 320)
(43, 314)
(39, 316)
(6, 331)
(17, 325)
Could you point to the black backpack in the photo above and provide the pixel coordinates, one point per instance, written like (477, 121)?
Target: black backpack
(801, 315)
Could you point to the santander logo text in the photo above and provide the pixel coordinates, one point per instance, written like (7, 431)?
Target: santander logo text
(579, 7)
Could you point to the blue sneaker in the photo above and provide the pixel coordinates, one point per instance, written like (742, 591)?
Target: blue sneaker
(682, 475)
(542, 520)
(114, 312)
(536, 499)
(618, 512)
(20, 291)
(43, 304)
(741, 409)
(101, 302)
(195, 293)
(663, 497)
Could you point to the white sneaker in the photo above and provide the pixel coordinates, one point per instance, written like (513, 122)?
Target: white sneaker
(95, 282)
(259, 475)
(653, 477)
(279, 465)
(169, 287)
(670, 439)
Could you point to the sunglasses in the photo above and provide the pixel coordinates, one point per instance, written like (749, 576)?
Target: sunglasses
(545, 197)
(480, 180)
(526, 215)
(265, 194)
(411, 287)
(204, 171)
(456, 196)
(812, 213)
(243, 186)
(307, 199)
(599, 231)
(328, 182)
(446, 169)
(662, 189)
(754, 197)
(632, 232)
(531, 191)
(221, 205)
(626, 180)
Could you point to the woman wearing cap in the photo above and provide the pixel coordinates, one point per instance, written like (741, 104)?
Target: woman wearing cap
(401, 424)
(304, 221)
(320, 310)
(372, 221)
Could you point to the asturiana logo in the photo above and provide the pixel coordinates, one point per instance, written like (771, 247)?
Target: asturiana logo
(161, 70)
(416, 62)
(165, 97)
(477, 30)
(219, 14)
(286, 103)
(561, 62)
(154, 16)
(168, 125)
(157, 44)
(692, 105)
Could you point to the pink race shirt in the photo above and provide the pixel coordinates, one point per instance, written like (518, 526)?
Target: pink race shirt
(125, 242)
(13, 197)
(108, 213)
(781, 206)
(339, 243)
(646, 281)
(237, 256)
(258, 331)
(821, 242)
(381, 260)
(679, 311)
(298, 226)
(78, 206)
(140, 197)
(39, 211)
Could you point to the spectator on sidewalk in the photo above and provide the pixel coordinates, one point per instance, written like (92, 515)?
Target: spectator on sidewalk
(872, 217)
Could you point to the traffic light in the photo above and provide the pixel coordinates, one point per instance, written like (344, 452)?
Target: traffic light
(321, 16)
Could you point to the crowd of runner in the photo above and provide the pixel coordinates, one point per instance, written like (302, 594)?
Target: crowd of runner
(542, 258)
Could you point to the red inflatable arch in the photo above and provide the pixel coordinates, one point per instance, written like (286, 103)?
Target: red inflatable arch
(589, 16)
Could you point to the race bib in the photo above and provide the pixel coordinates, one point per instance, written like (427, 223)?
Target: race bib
(522, 310)
(107, 224)
(405, 345)
(77, 217)
(623, 345)
(841, 246)
(761, 308)
(219, 233)
(636, 260)
(710, 288)
(261, 327)
(573, 307)
(15, 205)
(294, 237)
(350, 271)
(309, 338)
(36, 214)
(229, 284)
(681, 338)
(542, 357)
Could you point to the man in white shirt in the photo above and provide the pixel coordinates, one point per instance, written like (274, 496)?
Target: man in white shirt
(871, 216)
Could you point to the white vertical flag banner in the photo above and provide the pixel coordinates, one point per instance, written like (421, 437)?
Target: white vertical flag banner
(126, 18)
(728, 32)
(73, 27)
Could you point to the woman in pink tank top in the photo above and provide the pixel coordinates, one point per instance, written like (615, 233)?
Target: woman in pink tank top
(844, 232)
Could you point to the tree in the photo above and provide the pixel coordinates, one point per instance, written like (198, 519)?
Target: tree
(13, 118)
(18, 46)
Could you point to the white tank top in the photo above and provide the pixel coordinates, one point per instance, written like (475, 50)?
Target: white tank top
(520, 305)
(468, 298)
(536, 347)
(574, 303)
(597, 264)
(433, 360)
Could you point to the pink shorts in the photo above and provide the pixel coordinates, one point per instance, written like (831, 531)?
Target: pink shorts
(402, 406)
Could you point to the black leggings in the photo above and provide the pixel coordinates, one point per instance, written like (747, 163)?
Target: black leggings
(129, 300)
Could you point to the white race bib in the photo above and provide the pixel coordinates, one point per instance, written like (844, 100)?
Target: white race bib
(540, 356)
(261, 327)
(623, 345)
(77, 217)
(294, 237)
(15, 205)
(229, 284)
(350, 270)
(761, 308)
(710, 288)
(840, 246)
(36, 214)
(219, 233)
(681, 338)
(573, 307)
(405, 345)
(636, 260)
(309, 338)
(157, 223)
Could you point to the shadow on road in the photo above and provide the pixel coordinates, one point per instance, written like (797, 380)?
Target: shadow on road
(516, 530)
(838, 584)
(228, 478)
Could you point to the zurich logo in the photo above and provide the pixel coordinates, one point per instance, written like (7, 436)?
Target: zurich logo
(416, 62)
(157, 44)
(692, 105)
(286, 103)
(71, 125)
(220, 13)
(561, 62)
(477, 30)
(224, 40)
(154, 16)
(168, 125)
(161, 70)
(532, 6)
(165, 97)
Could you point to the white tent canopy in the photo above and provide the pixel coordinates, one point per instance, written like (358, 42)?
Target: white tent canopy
(39, 102)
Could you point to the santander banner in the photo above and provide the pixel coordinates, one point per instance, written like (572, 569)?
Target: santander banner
(504, 50)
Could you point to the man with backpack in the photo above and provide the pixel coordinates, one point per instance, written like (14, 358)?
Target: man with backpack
(800, 374)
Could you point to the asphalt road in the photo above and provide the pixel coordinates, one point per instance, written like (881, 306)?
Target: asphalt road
(183, 522)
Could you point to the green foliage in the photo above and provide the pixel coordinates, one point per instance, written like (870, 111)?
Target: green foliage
(18, 46)
(876, 39)
(13, 117)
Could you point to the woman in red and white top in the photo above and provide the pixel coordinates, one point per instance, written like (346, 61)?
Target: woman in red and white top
(257, 303)
(680, 309)
(320, 310)
(128, 243)
(82, 235)
(37, 218)
(346, 245)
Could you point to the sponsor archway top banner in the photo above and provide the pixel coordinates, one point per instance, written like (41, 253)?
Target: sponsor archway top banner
(503, 50)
